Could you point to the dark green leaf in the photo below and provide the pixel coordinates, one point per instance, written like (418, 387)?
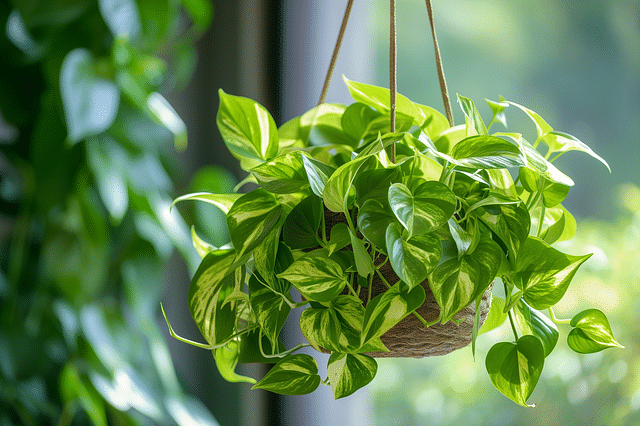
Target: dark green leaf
(74, 388)
(374, 184)
(487, 152)
(90, 103)
(373, 221)
(510, 222)
(293, 375)
(473, 118)
(271, 309)
(318, 174)
(592, 333)
(389, 308)
(249, 349)
(514, 368)
(300, 230)
(456, 283)
(412, 259)
(423, 210)
(340, 237)
(282, 175)
(532, 321)
(544, 273)
(251, 219)
(248, 130)
(316, 278)
(350, 372)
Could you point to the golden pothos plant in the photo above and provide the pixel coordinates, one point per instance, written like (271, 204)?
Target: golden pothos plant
(452, 210)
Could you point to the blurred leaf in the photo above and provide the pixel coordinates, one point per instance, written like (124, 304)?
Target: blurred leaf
(200, 11)
(187, 411)
(317, 278)
(74, 387)
(44, 12)
(165, 114)
(90, 103)
(121, 16)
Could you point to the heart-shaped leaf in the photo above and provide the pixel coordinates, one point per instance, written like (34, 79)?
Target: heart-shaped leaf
(282, 175)
(293, 375)
(412, 259)
(544, 273)
(251, 219)
(247, 129)
(373, 221)
(592, 333)
(90, 103)
(532, 321)
(514, 368)
(356, 119)
(374, 184)
(423, 210)
(340, 237)
(457, 282)
(389, 308)
(317, 278)
(339, 185)
(510, 222)
(350, 372)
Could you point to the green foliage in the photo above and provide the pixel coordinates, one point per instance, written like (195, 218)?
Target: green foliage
(84, 215)
(447, 217)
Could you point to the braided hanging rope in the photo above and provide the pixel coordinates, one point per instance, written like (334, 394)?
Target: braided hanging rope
(443, 82)
(336, 49)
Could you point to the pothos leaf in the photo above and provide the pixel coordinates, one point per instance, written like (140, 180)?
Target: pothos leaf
(226, 358)
(293, 375)
(592, 333)
(496, 316)
(284, 174)
(373, 221)
(317, 278)
(534, 322)
(350, 372)
(271, 309)
(300, 230)
(475, 125)
(412, 259)
(318, 174)
(514, 368)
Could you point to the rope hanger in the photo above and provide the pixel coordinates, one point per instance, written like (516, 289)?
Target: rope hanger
(392, 64)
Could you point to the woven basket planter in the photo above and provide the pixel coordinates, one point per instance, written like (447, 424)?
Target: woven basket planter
(409, 338)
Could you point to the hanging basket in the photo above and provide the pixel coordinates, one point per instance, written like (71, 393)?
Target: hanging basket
(410, 338)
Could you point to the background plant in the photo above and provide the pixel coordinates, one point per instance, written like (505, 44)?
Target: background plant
(86, 155)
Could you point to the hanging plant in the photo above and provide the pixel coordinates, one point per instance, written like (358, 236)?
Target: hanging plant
(389, 228)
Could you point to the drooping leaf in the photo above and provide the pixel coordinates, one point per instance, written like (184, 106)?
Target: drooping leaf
(498, 111)
(514, 368)
(317, 278)
(373, 221)
(214, 275)
(592, 333)
(226, 358)
(475, 125)
(532, 321)
(412, 259)
(487, 152)
(541, 126)
(300, 230)
(350, 372)
(202, 247)
(537, 163)
(293, 375)
(461, 237)
(251, 219)
(389, 308)
(374, 184)
(364, 263)
(247, 129)
(271, 309)
(423, 210)
(318, 174)
(544, 273)
(90, 102)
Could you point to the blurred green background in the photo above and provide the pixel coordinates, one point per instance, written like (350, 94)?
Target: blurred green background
(87, 245)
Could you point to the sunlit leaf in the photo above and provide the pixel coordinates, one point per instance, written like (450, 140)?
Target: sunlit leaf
(282, 175)
(412, 259)
(475, 125)
(226, 360)
(531, 321)
(350, 372)
(316, 278)
(592, 333)
(293, 375)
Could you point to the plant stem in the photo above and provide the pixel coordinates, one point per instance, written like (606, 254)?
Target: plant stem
(556, 320)
(279, 354)
(513, 326)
